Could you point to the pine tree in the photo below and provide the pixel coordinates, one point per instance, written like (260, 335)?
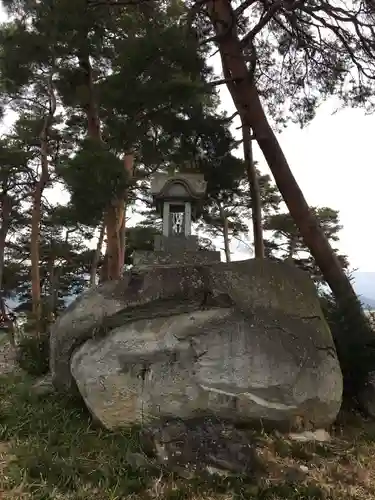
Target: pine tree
(286, 242)
(118, 104)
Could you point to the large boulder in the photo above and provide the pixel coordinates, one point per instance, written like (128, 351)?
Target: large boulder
(244, 341)
(97, 310)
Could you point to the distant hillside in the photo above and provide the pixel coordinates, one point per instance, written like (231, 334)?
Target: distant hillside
(369, 303)
(364, 285)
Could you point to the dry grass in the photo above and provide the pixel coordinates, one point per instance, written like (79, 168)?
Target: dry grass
(50, 449)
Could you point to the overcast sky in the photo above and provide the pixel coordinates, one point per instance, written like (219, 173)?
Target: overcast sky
(333, 162)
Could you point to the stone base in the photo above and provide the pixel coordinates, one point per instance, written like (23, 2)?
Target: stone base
(141, 259)
(176, 243)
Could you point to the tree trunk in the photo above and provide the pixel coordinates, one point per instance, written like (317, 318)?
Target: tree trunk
(256, 203)
(115, 222)
(6, 207)
(8, 320)
(114, 216)
(53, 279)
(37, 210)
(292, 244)
(113, 252)
(97, 255)
(224, 221)
(129, 168)
(246, 99)
(122, 236)
(34, 252)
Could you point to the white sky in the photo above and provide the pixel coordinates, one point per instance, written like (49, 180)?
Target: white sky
(333, 162)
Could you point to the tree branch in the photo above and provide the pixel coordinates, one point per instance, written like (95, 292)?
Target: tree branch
(262, 22)
(245, 5)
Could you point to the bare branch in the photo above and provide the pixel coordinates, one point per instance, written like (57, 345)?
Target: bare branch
(262, 22)
(231, 117)
(245, 5)
(224, 81)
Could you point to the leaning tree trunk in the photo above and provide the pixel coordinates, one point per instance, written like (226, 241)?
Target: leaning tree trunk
(256, 203)
(36, 213)
(246, 99)
(245, 96)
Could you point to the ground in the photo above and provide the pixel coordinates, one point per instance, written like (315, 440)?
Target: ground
(51, 449)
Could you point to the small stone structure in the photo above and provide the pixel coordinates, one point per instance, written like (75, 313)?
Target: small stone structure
(178, 199)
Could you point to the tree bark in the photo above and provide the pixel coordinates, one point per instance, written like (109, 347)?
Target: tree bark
(224, 221)
(246, 98)
(6, 207)
(52, 289)
(97, 255)
(122, 235)
(256, 203)
(113, 251)
(115, 221)
(37, 210)
(129, 168)
(34, 251)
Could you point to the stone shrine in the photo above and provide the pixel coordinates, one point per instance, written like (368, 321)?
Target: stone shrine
(178, 199)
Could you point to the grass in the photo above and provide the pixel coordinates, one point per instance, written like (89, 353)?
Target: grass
(51, 449)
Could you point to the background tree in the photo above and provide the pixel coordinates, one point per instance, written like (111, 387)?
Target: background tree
(227, 211)
(286, 242)
(64, 264)
(14, 182)
(28, 87)
(116, 104)
(111, 99)
(254, 189)
(14, 177)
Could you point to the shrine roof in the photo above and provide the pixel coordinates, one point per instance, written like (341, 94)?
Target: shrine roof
(178, 185)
